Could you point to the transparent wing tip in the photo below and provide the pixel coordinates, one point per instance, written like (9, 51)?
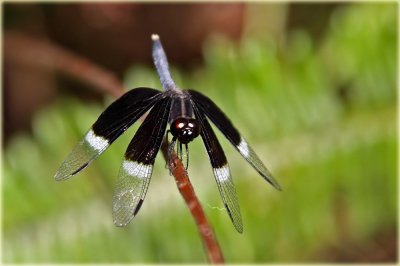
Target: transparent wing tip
(122, 216)
(270, 179)
(119, 224)
(65, 172)
(239, 228)
(60, 176)
(276, 185)
(237, 223)
(273, 182)
(121, 221)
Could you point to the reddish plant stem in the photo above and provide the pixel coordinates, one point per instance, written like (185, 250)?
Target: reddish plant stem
(186, 189)
(39, 53)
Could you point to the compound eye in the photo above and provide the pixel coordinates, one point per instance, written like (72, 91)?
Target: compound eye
(185, 129)
(178, 126)
(194, 127)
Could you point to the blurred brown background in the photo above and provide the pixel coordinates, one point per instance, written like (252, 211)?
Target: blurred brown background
(40, 39)
(114, 36)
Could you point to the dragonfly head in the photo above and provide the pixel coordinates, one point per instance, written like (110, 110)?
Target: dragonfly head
(185, 129)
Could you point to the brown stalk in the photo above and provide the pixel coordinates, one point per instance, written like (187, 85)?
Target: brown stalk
(186, 189)
(39, 53)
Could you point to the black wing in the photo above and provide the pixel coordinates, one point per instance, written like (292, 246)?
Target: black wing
(114, 121)
(221, 170)
(225, 125)
(134, 175)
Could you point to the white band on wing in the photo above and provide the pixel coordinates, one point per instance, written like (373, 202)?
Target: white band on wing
(244, 148)
(96, 142)
(136, 169)
(222, 173)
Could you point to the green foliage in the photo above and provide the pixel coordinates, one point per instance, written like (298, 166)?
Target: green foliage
(321, 117)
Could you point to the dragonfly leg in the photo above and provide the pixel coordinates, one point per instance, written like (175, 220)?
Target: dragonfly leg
(187, 156)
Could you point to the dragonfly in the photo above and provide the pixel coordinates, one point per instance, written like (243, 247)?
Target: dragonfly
(188, 113)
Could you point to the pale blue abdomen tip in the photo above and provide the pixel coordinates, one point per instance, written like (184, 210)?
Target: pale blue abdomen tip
(155, 37)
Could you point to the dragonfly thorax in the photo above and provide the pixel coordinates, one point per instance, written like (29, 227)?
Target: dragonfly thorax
(185, 129)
